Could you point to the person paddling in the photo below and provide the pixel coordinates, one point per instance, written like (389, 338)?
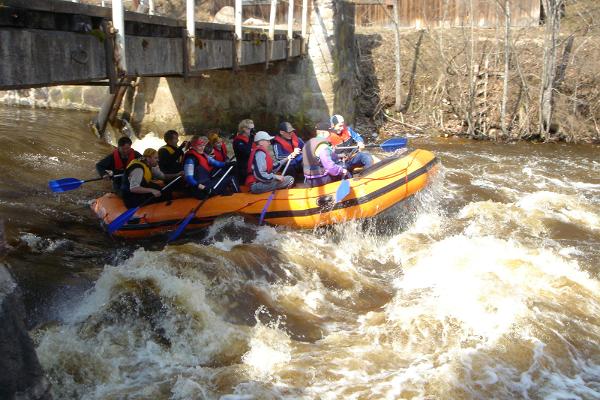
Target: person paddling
(198, 167)
(170, 156)
(261, 177)
(320, 163)
(116, 162)
(137, 184)
(344, 136)
(284, 144)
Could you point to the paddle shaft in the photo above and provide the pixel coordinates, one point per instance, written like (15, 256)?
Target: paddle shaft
(210, 191)
(148, 200)
(266, 207)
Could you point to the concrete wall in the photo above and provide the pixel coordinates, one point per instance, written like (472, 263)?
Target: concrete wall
(88, 98)
(301, 91)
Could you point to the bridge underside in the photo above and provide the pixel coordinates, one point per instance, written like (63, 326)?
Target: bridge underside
(48, 44)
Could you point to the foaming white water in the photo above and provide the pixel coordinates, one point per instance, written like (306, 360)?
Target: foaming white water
(42, 245)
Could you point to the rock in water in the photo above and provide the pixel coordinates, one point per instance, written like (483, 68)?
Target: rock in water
(22, 377)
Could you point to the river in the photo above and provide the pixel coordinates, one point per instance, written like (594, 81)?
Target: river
(486, 285)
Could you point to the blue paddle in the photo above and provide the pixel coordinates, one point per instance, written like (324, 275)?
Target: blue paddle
(127, 215)
(270, 199)
(389, 145)
(175, 234)
(66, 184)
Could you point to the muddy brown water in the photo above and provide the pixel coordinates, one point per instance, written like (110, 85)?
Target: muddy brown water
(485, 285)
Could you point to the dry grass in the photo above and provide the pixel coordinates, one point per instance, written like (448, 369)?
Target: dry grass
(436, 80)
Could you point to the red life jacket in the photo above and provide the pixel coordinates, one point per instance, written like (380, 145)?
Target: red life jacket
(202, 159)
(243, 138)
(220, 153)
(337, 139)
(250, 179)
(119, 166)
(286, 145)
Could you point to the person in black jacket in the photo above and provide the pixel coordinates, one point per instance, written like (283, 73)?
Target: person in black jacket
(170, 156)
(242, 146)
(116, 162)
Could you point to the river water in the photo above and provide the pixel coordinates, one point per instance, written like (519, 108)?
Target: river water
(486, 285)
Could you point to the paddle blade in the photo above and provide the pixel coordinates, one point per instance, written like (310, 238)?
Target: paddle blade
(265, 208)
(64, 185)
(393, 144)
(342, 191)
(121, 220)
(175, 234)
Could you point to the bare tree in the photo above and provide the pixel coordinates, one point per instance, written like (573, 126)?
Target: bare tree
(507, 46)
(397, 58)
(552, 9)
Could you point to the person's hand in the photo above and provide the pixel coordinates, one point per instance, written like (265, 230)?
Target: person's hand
(344, 157)
(279, 178)
(184, 145)
(361, 145)
(201, 186)
(155, 192)
(229, 164)
(296, 151)
(108, 175)
(180, 173)
(344, 171)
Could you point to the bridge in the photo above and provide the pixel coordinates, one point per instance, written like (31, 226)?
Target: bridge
(46, 43)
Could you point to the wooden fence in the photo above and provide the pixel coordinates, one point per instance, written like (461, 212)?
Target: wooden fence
(446, 13)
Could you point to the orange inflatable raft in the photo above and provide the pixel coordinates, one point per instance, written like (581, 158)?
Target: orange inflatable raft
(372, 191)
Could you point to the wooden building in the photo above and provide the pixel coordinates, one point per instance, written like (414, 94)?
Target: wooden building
(446, 13)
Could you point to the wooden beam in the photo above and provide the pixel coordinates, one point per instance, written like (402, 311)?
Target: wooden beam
(118, 20)
(190, 21)
(237, 61)
(290, 26)
(304, 26)
(271, 36)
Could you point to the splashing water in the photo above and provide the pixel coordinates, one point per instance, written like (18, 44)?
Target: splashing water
(484, 286)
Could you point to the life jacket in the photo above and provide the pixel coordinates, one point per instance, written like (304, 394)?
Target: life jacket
(287, 146)
(202, 159)
(220, 153)
(250, 179)
(241, 137)
(311, 164)
(341, 138)
(119, 166)
(134, 164)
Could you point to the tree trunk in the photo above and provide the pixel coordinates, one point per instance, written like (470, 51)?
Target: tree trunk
(398, 105)
(552, 10)
(506, 66)
(471, 66)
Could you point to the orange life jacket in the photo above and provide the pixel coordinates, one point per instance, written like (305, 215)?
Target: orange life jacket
(202, 159)
(220, 153)
(336, 139)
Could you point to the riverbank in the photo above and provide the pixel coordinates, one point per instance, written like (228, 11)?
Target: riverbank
(445, 93)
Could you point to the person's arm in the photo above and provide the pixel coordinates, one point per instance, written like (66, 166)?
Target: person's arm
(188, 169)
(332, 168)
(106, 164)
(260, 160)
(135, 181)
(278, 151)
(215, 163)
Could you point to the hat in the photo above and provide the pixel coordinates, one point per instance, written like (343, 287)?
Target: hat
(323, 126)
(199, 141)
(262, 135)
(337, 119)
(286, 126)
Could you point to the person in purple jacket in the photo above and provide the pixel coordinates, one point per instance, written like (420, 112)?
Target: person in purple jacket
(320, 163)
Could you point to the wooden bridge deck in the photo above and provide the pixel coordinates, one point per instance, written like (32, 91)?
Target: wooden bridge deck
(53, 43)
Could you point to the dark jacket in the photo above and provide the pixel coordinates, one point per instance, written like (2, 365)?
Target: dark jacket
(108, 164)
(170, 159)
